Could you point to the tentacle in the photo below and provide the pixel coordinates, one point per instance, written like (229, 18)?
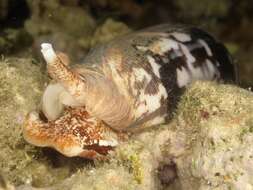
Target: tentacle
(59, 71)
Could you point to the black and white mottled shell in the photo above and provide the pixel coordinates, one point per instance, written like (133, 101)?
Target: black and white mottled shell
(152, 66)
(129, 83)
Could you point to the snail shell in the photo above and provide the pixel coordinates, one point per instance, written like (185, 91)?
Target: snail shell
(134, 81)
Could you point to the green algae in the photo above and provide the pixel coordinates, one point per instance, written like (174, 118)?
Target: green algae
(136, 167)
(130, 156)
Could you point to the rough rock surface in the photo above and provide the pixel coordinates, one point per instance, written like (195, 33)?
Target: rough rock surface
(208, 141)
(21, 84)
(68, 27)
(217, 123)
(72, 29)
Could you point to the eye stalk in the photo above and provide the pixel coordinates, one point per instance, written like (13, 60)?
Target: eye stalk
(48, 52)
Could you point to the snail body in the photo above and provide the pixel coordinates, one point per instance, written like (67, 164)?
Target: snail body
(134, 81)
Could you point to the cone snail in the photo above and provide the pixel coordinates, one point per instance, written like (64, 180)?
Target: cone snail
(127, 84)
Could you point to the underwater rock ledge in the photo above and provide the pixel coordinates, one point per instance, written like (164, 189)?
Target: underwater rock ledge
(208, 142)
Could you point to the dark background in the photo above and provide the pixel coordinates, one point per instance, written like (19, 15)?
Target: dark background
(77, 25)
